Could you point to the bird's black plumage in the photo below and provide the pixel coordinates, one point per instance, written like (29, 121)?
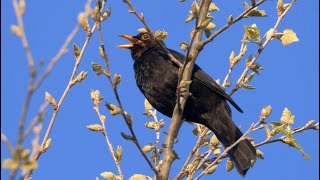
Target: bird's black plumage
(157, 78)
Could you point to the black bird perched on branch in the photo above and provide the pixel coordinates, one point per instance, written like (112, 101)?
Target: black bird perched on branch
(157, 78)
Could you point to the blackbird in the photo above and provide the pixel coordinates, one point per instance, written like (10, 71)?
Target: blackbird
(157, 78)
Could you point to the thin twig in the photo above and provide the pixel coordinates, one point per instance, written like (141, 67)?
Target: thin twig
(157, 130)
(117, 163)
(37, 119)
(23, 37)
(261, 48)
(54, 60)
(241, 54)
(243, 137)
(225, 27)
(193, 151)
(7, 143)
(281, 139)
(66, 91)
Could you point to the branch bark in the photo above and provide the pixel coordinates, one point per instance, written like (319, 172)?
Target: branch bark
(176, 120)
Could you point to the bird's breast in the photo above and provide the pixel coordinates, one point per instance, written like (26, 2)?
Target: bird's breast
(157, 80)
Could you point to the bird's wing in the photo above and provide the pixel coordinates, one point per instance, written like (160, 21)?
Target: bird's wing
(206, 80)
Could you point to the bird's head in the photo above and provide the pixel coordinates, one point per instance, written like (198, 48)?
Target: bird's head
(140, 44)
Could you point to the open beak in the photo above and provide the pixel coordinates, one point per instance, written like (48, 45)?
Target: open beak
(131, 39)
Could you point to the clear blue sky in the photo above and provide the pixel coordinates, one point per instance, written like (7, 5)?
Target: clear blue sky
(290, 79)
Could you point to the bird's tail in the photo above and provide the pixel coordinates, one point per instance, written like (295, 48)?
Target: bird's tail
(227, 133)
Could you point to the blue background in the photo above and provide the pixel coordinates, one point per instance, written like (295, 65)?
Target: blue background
(290, 79)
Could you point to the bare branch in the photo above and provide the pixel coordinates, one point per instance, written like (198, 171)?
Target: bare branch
(7, 143)
(66, 91)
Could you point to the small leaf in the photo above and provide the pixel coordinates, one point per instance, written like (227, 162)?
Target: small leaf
(207, 32)
(287, 117)
(114, 110)
(175, 155)
(309, 124)
(211, 26)
(214, 141)
(232, 56)
(142, 30)
(147, 148)
(126, 136)
(211, 170)
(248, 78)
(116, 80)
(189, 18)
(195, 8)
(184, 46)
(253, 161)
(229, 165)
(140, 177)
(16, 30)
(98, 68)
(118, 153)
(265, 112)
(161, 35)
(247, 86)
(213, 7)
(105, 14)
(95, 127)
(293, 143)
(46, 145)
(252, 31)
(21, 7)
(108, 176)
(288, 37)
(259, 154)
(96, 14)
(95, 97)
(29, 165)
(280, 7)
(256, 13)
(81, 76)
(195, 131)
(206, 22)
(246, 6)
(49, 99)
(235, 60)
(276, 129)
(83, 21)
(230, 20)
(217, 151)
(76, 51)
(151, 125)
(147, 105)
(204, 142)
(256, 67)
(10, 164)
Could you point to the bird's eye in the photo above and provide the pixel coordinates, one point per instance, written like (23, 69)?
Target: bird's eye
(145, 37)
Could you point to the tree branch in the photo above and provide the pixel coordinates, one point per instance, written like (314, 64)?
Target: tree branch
(176, 120)
(261, 48)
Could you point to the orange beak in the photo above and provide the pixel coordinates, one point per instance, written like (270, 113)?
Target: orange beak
(131, 39)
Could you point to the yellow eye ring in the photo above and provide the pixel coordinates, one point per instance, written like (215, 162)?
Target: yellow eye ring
(145, 37)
